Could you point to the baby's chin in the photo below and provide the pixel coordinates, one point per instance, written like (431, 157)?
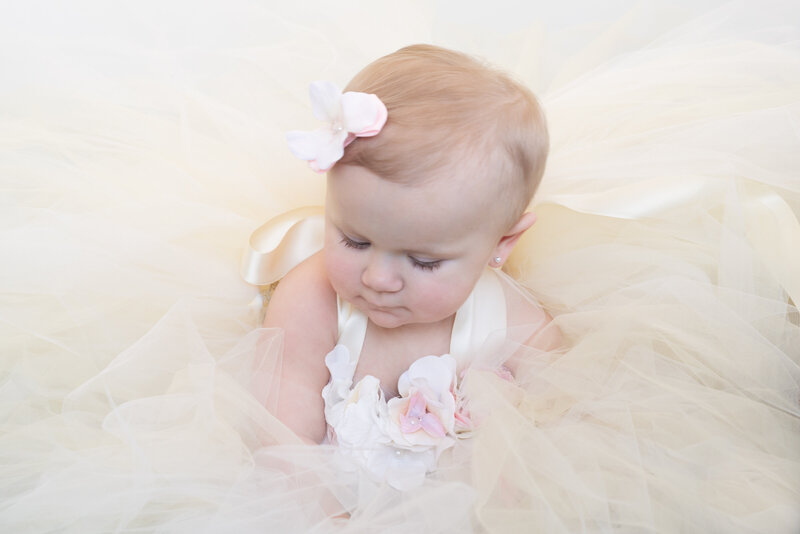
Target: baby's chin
(385, 319)
(399, 317)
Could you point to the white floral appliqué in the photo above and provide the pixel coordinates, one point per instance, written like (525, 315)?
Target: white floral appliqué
(399, 440)
(347, 115)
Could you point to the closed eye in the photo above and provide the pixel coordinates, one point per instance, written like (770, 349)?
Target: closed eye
(352, 243)
(428, 265)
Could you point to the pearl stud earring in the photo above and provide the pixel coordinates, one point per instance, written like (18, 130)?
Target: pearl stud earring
(497, 259)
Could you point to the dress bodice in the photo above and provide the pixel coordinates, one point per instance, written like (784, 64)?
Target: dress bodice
(400, 439)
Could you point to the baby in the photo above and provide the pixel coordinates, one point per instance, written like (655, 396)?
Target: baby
(420, 212)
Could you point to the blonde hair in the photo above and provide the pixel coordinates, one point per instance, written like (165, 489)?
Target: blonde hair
(449, 112)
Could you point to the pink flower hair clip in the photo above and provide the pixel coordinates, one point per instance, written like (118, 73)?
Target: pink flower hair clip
(347, 115)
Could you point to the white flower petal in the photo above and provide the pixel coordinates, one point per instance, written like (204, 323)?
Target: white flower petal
(360, 421)
(326, 101)
(367, 392)
(403, 384)
(438, 372)
(331, 151)
(306, 145)
(338, 363)
(360, 111)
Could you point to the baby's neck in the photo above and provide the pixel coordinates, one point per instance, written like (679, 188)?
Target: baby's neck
(388, 352)
(415, 331)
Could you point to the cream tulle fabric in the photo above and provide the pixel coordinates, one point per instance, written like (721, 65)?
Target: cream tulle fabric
(142, 143)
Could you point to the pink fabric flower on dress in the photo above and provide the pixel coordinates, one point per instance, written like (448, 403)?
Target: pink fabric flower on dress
(424, 414)
(347, 115)
(417, 417)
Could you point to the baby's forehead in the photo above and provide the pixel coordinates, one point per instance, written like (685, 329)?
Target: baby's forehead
(460, 194)
(468, 184)
(462, 199)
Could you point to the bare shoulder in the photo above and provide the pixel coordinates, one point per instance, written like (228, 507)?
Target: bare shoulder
(304, 297)
(304, 307)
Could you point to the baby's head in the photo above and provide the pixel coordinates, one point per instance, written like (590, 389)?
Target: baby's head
(450, 117)
(415, 213)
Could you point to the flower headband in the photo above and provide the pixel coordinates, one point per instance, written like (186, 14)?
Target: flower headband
(348, 115)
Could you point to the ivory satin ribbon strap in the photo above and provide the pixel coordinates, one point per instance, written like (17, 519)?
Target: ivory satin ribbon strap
(483, 313)
(281, 243)
(352, 329)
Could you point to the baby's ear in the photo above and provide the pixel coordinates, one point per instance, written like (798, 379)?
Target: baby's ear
(510, 238)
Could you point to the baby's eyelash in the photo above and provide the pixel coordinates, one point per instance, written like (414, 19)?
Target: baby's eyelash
(426, 265)
(346, 241)
(429, 265)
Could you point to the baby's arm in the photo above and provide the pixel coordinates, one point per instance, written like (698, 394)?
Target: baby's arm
(304, 306)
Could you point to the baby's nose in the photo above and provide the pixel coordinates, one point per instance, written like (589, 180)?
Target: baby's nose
(381, 275)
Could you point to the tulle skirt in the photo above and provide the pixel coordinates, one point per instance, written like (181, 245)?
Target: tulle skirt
(140, 144)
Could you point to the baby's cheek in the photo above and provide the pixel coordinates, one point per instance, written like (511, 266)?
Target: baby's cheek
(342, 272)
(443, 298)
